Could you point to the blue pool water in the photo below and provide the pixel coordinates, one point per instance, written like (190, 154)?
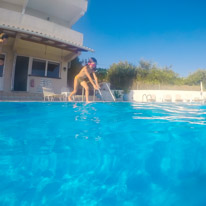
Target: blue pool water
(124, 154)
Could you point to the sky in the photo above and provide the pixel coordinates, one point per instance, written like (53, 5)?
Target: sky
(165, 32)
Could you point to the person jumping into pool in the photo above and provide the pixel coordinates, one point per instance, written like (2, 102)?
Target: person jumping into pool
(3, 40)
(83, 75)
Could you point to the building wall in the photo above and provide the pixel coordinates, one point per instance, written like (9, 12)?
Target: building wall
(48, 19)
(9, 6)
(8, 68)
(39, 51)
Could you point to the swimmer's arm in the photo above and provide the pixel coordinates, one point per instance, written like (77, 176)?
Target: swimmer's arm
(96, 79)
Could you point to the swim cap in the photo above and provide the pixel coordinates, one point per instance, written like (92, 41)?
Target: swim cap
(92, 59)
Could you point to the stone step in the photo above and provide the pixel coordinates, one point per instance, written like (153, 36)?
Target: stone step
(20, 96)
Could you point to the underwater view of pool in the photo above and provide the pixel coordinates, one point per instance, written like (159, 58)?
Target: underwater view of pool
(124, 154)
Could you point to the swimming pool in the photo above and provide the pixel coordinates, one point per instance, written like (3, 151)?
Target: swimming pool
(66, 154)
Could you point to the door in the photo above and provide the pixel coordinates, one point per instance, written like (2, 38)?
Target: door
(21, 73)
(2, 63)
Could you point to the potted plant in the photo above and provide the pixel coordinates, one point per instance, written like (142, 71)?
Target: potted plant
(126, 94)
(117, 94)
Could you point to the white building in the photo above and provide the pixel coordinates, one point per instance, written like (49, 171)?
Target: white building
(41, 43)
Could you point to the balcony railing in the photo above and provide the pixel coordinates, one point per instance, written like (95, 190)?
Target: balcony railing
(30, 23)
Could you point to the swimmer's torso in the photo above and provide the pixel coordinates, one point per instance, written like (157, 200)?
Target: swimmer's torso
(82, 73)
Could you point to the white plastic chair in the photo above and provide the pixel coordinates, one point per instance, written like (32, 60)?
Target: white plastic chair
(65, 91)
(167, 98)
(178, 98)
(50, 95)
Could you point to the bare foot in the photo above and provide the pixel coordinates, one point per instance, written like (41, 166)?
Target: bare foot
(69, 99)
(87, 102)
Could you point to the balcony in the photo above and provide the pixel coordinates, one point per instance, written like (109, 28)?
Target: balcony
(63, 12)
(15, 21)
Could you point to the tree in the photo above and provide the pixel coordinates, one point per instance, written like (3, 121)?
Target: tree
(196, 77)
(101, 74)
(121, 75)
(162, 76)
(145, 64)
(148, 72)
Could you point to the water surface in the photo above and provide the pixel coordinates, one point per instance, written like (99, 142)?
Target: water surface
(102, 154)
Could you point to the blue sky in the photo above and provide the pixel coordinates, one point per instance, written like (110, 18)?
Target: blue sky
(169, 32)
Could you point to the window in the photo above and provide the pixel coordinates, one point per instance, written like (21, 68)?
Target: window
(53, 70)
(45, 68)
(38, 67)
(2, 58)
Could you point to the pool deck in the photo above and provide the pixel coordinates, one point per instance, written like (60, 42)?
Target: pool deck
(133, 96)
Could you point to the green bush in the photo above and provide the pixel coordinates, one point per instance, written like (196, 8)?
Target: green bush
(121, 75)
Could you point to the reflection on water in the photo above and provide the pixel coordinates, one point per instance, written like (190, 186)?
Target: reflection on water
(102, 154)
(173, 112)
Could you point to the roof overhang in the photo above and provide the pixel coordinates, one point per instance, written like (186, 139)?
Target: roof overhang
(34, 36)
